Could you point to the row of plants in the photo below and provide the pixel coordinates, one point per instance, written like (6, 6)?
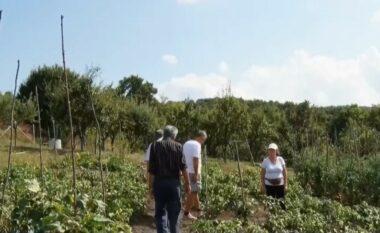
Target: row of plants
(250, 211)
(346, 178)
(231, 205)
(35, 205)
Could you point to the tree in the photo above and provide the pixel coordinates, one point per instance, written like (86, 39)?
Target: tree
(190, 119)
(299, 116)
(5, 108)
(265, 128)
(25, 112)
(81, 108)
(171, 112)
(229, 121)
(374, 117)
(186, 115)
(52, 99)
(139, 122)
(48, 80)
(124, 117)
(342, 117)
(108, 104)
(135, 87)
(359, 139)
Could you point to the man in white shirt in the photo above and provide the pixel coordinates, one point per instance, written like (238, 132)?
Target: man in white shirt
(157, 137)
(192, 150)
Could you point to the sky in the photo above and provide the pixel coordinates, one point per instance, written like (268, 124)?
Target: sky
(323, 51)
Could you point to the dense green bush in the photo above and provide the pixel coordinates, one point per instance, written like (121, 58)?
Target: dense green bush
(304, 212)
(347, 178)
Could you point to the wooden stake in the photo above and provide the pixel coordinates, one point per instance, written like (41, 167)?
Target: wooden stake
(206, 178)
(240, 175)
(71, 120)
(40, 134)
(15, 136)
(250, 151)
(10, 142)
(98, 133)
(55, 136)
(34, 134)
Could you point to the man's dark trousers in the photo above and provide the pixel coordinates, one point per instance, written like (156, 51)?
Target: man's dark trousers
(167, 195)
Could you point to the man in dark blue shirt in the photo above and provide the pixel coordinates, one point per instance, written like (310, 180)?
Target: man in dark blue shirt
(166, 164)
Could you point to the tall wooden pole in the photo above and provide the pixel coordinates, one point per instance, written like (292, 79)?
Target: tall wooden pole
(250, 151)
(54, 135)
(10, 142)
(34, 134)
(98, 134)
(70, 119)
(40, 135)
(206, 178)
(14, 127)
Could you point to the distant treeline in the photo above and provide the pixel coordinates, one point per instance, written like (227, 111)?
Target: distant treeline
(129, 111)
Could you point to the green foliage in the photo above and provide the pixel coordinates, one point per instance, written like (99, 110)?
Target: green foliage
(140, 121)
(265, 128)
(304, 213)
(48, 80)
(25, 112)
(231, 226)
(374, 117)
(136, 88)
(229, 121)
(125, 118)
(187, 116)
(130, 113)
(5, 108)
(225, 192)
(82, 113)
(359, 139)
(30, 207)
(343, 177)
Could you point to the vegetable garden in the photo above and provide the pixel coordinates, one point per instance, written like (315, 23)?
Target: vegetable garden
(229, 205)
(31, 207)
(256, 213)
(333, 152)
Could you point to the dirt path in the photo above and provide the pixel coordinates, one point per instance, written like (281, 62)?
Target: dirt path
(146, 223)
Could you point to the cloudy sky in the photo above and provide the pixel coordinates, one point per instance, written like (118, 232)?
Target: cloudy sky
(324, 51)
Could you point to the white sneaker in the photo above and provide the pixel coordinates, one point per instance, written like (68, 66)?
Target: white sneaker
(189, 216)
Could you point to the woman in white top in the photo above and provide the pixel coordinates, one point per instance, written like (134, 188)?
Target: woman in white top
(274, 180)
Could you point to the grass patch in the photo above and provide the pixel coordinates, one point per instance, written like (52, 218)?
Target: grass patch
(26, 153)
